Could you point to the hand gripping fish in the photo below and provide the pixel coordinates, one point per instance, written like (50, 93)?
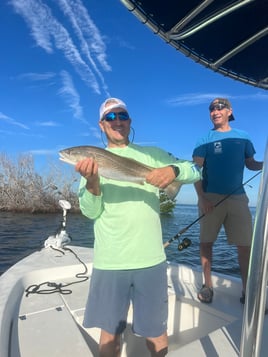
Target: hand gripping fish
(115, 167)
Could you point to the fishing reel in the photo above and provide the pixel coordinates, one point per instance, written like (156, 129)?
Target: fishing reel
(185, 243)
(61, 238)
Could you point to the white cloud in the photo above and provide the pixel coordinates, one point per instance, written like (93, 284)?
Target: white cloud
(51, 35)
(48, 123)
(95, 132)
(71, 96)
(11, 121)
(90, 39)
(190, 99)
(37, 76)
(42, 152)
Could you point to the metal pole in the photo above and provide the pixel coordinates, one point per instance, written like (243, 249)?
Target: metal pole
(254, 309)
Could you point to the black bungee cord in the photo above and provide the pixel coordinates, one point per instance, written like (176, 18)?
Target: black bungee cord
(52, 287)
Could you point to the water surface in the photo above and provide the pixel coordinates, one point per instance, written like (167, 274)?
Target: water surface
(22, 234)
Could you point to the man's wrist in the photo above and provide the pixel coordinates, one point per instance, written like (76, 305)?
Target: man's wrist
(175, 169)
(93, 187)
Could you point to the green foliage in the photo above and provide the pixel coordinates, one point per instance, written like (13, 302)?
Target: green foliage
(166, 204)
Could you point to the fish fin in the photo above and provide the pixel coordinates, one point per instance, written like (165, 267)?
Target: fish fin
(172, 190)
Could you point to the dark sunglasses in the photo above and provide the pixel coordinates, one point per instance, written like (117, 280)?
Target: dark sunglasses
(218, 106)
(112, 116)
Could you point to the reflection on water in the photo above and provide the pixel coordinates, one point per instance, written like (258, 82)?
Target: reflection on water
(22, 234)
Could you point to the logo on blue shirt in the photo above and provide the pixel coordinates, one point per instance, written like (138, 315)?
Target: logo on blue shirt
(217, 147)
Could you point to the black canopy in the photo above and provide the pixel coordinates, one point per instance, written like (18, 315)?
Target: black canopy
(227, 36)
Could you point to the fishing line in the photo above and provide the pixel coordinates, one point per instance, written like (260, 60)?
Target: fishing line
(186, 243)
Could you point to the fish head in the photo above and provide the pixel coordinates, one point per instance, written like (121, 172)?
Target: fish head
(75, 154)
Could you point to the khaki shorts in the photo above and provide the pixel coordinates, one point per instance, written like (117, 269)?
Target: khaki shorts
(233, 214)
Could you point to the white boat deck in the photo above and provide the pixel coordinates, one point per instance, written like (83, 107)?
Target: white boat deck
(51, 324)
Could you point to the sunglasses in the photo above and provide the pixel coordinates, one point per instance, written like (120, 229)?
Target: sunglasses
(112, 116)
(218, 106)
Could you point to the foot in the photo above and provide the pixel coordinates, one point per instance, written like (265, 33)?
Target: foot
(205, 294)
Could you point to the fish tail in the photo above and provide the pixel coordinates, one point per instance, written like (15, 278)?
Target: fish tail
(172, 190)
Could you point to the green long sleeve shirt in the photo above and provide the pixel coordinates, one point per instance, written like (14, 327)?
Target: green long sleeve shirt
(127, 225)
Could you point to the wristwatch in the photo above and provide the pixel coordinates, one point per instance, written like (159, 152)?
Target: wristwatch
(175, 169)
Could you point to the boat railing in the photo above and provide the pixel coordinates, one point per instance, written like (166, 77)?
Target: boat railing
(256, 291)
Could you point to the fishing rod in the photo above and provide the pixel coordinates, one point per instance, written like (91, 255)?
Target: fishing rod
(187, 242)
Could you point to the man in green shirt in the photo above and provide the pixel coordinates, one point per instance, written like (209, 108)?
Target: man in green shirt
(129, 259)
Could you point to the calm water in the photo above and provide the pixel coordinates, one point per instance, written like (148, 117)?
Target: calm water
(22, 234)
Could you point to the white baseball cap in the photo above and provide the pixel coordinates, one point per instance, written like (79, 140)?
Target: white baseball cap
(111, 103)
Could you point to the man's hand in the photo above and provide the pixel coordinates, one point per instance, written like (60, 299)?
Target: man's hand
(161, 177)
(88, 168)
(205, 205)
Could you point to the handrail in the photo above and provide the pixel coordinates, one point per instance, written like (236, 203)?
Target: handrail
(251, 336)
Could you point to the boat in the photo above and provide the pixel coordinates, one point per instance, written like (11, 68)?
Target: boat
(226, 36)
(43, 297)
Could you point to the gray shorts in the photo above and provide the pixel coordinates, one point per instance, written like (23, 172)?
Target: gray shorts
(111, 292)
(233, 214)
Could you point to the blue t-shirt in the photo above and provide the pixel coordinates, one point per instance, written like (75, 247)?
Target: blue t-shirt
(224, 156)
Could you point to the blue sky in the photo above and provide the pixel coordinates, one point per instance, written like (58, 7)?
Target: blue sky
(61, 58)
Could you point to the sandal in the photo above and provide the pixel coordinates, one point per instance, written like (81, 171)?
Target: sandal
(205, 294)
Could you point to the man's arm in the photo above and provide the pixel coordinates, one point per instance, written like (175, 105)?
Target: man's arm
(88, 168)
(90, 196)
(204, 205)
(198, 185)
(253, 165)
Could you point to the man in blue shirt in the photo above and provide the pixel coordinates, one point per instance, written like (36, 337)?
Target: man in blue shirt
(223, 153)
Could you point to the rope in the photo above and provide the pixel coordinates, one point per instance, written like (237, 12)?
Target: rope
(52, 287)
